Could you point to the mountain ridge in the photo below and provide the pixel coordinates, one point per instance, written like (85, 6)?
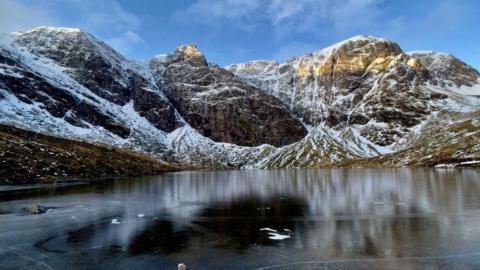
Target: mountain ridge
(361, 97)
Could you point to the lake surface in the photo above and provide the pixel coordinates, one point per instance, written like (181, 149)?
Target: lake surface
(251, 219)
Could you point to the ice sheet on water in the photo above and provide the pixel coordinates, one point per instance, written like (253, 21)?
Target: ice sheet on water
(277, 236)
(115, 221)
(268, 229)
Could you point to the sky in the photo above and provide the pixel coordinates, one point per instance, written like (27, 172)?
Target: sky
(234, 31)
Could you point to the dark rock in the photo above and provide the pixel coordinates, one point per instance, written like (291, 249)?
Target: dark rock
(37, 209)
(391, 116)
(358, 119)
(152, 105)
(382, 137)
(335, 117)
(32, 88)
(434, 95)
(89, 113)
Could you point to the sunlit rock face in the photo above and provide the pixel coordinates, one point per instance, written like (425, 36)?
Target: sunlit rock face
(364, 83)
(222, 106)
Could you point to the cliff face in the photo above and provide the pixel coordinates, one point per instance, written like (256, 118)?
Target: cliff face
(212, 100)
(222, 106)
(65, 82)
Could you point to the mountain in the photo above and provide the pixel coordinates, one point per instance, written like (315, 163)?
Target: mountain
(366, 84)
(362, 97)
(222, 106)
(65, 82)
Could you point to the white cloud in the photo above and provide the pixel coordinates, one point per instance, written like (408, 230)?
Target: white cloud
(285, 16)
(16, 16)
(108, 20)
(356, 14)
(323, 16)
(280, 10)
(293, 49)
(446, 16)
(127, 42)
(435, 22)
(105, 15)
(239, 13)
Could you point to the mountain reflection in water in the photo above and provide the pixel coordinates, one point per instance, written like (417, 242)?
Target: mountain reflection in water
(222, 219)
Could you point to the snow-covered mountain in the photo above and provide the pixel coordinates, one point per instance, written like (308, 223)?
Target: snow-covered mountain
(360, 97)
(367, 84)
(65, 82)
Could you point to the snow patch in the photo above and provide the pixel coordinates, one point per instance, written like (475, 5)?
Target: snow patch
(116, 221)
(277, 236)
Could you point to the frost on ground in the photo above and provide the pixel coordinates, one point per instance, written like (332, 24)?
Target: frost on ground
(453, 165)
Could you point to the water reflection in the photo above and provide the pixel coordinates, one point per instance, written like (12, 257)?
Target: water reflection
(327, 214)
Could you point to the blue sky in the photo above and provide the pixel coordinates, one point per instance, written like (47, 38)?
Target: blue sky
(232, 31)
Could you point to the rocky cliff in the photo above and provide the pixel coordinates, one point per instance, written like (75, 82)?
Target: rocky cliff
(222, 106)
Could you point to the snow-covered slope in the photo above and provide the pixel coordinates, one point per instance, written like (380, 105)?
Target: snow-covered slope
(449, 72)
(450, 140)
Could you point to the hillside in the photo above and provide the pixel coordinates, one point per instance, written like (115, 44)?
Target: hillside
(28, 157)
(449, 141)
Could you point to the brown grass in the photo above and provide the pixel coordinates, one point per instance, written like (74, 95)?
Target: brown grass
(29, 157)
